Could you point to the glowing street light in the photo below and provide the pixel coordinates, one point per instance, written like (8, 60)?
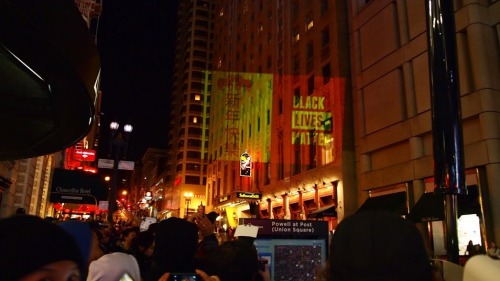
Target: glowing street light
(118, 142)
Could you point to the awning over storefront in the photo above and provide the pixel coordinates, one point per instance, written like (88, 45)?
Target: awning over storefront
(430, 206)
(394, 203)
(327, 211)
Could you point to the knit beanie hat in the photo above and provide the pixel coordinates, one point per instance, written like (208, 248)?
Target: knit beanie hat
(377, 245)
(113, 267)
(81, 232)
(29, 242)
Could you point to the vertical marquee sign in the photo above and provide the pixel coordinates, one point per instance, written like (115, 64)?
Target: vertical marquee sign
(245, 164)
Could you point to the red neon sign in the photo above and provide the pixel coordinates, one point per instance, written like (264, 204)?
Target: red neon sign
(84, 155)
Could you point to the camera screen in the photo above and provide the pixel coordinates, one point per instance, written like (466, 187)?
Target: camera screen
(292, 259)
(184, 277)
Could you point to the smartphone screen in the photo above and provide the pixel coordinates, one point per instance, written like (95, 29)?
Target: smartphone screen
(184, 277)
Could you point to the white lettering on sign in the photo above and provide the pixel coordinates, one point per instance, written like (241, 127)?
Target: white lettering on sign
(73, 190)
(71, 197)
(295, 227)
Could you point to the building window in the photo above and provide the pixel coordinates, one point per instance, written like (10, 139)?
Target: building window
(310, 85)
(309, 50)
(325, 37)
(296, 64)
(323, 7)
(296, 37)
(326, 73)
(296, 96)
(309, 23)
(192, 180)
(297, 159)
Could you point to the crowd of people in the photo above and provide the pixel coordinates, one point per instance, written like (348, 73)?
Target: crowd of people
(36, 249)
(370, 245)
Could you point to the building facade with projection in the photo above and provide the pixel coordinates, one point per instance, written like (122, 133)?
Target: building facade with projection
(277, 122)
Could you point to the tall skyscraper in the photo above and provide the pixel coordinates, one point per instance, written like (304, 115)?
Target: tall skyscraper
(188, 134)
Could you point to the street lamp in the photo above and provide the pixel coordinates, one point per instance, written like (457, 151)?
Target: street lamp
(119, 143)
(187, 197)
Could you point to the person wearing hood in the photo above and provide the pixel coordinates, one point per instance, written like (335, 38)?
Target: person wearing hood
(114, 266)
(34, 249)
(86, 238)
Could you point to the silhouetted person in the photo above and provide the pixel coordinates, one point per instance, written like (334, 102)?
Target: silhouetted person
(470, 248)
(176, 242)
(35, 249)
(235, 260)
(20, 211)
(377, 245)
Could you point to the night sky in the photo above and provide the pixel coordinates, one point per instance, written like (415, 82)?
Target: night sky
(136, 44)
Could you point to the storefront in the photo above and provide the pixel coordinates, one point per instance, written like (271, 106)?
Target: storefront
(236, 205)
(76, 193)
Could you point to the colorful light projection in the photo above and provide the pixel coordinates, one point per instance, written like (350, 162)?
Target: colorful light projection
(309, 117)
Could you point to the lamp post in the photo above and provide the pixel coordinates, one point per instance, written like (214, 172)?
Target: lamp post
(187, 197)
(117, 141)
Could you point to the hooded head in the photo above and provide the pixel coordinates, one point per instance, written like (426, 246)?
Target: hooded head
(377, 244)
(29, 242)
(113, 267)
(81, 232)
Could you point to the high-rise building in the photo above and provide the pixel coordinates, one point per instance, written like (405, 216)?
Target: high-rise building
(188, 134)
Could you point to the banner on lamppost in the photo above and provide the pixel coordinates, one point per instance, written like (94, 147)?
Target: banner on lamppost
(103, 205)
(245, 164)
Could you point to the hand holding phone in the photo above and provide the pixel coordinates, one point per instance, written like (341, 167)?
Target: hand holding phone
(184, 277)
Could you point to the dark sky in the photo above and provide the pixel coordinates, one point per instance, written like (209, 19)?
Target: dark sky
(136, 42)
